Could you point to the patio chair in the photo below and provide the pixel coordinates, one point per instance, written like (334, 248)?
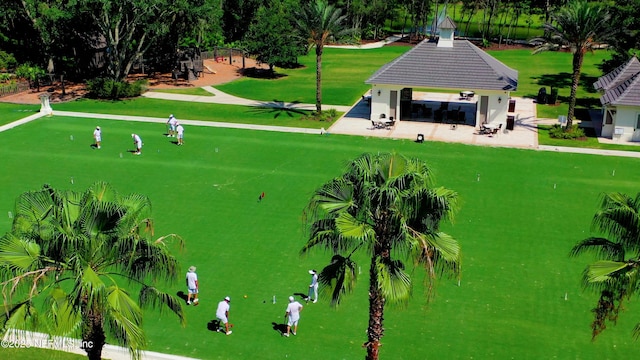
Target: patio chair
(390, 124)
(496, 130)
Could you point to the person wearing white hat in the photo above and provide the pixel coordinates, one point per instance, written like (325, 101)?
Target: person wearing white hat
(313, 287)
(192, 286)
(97, 136)
(222, 314)
(172, 122)
(292, 315)
(137, 142)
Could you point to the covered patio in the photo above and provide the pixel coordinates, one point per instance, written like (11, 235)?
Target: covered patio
(523, 135)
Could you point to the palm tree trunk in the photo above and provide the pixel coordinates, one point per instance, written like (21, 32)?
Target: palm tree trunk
(93, 338)
(319, 78)
(578, 57)
(375, 331)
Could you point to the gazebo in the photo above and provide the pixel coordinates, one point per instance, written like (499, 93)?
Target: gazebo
(620, 90)
(445, 64)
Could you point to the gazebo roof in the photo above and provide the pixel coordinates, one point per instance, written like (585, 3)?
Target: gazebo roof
(463, 66)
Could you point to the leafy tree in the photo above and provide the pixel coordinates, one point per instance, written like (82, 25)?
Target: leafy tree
(30, 72)
(129, 27)
(386, 207)
(49, 19)
(318, 23)
(237, 16)
(615, 274)
(626, 40)
(271, 37)
(578, 25)
(70, 252)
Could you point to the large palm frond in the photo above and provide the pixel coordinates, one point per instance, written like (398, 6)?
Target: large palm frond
(578, 25)
(615, 275)
(338, 278)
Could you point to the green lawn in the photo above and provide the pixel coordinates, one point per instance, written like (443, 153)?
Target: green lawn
(13, 112)
(522, 210)
(343, 74)
(195, 111)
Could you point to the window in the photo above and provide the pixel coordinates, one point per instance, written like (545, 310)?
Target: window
(638, 121)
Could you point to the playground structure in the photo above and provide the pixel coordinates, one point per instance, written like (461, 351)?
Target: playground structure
(190, 62)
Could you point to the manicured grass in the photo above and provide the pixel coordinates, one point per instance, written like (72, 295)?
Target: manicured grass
(196, 111)
(522, 210)
(12, 112)
(343, 74)
(186, 91)
(552, 69)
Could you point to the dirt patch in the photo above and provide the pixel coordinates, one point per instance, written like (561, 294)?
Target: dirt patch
(215, 73)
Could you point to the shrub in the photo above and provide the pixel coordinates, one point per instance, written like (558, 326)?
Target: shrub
(101, 88)
(558, 132)
(7, 61)
(30, 72)
(5, 77)
(327, 115)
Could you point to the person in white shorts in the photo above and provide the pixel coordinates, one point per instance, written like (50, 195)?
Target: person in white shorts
(192, 286)
(222, 314)
(97, 136)
(313, 287)
(137, 142)
(172, 122)
(180, 131)
(292, 315)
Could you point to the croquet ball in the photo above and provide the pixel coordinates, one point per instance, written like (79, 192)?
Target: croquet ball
(245, 296)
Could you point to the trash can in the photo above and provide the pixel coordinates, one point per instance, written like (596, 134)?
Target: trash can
(542, 96)
(510, 122)
(512, 106)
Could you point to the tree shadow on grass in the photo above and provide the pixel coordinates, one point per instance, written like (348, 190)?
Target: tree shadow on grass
(279, 108)
(257, 73)
(563, 81)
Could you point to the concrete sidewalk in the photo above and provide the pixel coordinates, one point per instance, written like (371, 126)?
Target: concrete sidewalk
(224, 98)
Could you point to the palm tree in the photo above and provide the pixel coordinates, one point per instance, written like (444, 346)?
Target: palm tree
(385, 206)
(615, 274)
(579, 26)
(70, 253)
(318, 23)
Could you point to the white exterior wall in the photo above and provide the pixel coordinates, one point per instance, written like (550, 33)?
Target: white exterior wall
(380, 103)
(497, 111)
(626, 119)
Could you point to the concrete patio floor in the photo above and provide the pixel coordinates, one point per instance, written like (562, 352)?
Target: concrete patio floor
(523, 135)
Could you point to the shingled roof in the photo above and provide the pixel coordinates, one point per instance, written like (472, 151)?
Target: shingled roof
(622, 85)
(619, 75)
(463, 66)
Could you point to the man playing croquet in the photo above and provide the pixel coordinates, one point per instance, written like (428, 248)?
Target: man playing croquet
(292, 315)
(222, 314)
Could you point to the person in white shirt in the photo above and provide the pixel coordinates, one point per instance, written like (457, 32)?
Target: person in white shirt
(292, 315)
(137, 142)
(313, 287)
(222, 314)
(97, 136)
(172, 122)
(192, 286)
(180, 131)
